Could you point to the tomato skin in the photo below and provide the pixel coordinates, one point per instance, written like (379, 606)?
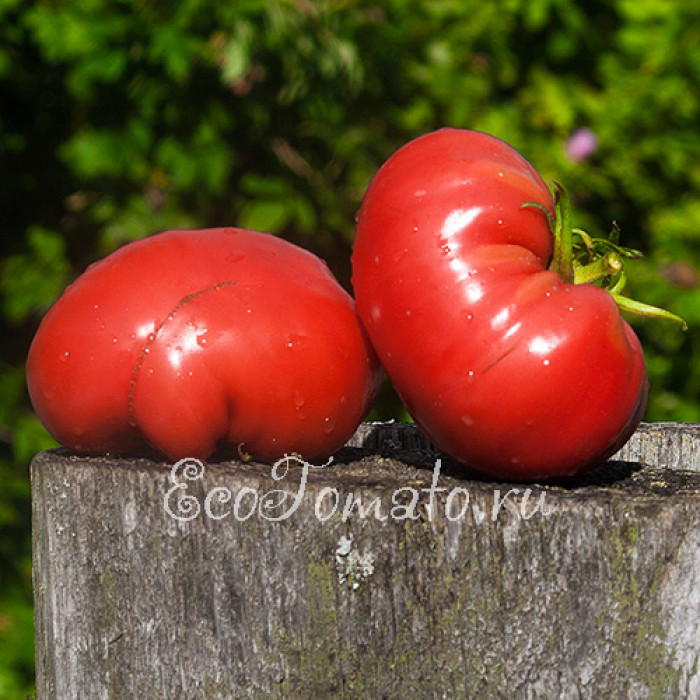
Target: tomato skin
(189, 340)
(503, 366)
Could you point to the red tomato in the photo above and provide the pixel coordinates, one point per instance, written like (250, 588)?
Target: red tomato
(505, 367)
(189, 340)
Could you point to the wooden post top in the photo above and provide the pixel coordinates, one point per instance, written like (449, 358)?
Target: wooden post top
(386, 572)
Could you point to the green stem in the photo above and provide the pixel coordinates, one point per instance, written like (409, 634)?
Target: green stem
(605, 258)
(563, 256)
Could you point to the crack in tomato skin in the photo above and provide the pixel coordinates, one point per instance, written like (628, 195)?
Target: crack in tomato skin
(152, 337)
(501, 357)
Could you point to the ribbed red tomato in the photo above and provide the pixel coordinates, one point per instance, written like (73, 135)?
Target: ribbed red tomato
(192, 340)
(504, 366)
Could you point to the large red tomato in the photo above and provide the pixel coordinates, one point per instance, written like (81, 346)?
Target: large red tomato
(504, 366)
(189, 340)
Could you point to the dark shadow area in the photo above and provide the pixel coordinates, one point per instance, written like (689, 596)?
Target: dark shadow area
(610, 473)
(390, 444)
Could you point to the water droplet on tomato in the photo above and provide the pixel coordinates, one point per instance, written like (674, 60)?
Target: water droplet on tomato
(468, 421)
(201, 339)
(64, 356)
(328, 425)
(299, 403)
(545, 363)
(115, 339)
(468, 316)
(294, 340)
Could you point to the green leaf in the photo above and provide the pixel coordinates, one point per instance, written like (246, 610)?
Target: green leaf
(264, 186)
(176, 49)
(269, 216)
(30, 437)
(94, 153)
(235, 59)
(32, 281)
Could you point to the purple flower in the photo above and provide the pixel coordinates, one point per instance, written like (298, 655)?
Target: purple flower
(581, 144)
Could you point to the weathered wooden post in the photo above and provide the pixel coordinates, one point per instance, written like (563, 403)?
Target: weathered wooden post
(380, 575)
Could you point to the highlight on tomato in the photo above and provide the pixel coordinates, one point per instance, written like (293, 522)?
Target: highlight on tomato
(504, 341)
(195, 341)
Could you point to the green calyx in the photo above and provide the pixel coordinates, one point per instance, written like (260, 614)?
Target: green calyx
(578, 258)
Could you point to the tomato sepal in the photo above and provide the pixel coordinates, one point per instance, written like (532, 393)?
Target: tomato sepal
(579, 258)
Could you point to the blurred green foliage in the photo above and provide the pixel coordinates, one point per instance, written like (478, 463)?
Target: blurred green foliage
(120, 118)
